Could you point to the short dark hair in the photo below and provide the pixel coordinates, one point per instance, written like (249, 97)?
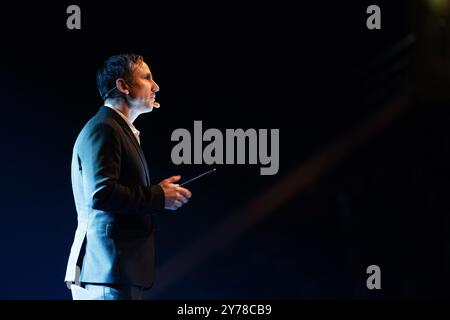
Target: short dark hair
(118, 66)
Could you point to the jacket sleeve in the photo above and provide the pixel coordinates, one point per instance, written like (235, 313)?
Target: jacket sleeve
(100, 164)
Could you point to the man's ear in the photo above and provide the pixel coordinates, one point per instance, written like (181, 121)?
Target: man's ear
(122, 86)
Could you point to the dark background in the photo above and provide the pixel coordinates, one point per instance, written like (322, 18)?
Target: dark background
(315, 72)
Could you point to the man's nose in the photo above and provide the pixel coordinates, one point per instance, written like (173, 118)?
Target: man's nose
(155, 87)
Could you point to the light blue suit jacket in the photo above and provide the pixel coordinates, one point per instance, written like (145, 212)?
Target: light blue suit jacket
(114, 240)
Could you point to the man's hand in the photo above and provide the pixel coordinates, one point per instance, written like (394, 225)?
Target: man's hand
(175, 195)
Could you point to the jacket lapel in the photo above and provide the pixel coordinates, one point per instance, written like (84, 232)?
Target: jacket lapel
(130, 134)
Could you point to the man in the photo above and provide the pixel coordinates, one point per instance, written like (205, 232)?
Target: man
(114, 241)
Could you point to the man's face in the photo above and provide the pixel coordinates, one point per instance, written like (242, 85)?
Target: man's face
(142, 89)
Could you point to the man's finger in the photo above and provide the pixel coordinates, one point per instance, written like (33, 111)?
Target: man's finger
(177, 204)
(182, 198)
(173, 179)
(185, 192)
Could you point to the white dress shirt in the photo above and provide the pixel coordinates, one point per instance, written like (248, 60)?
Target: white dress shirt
(132, 127)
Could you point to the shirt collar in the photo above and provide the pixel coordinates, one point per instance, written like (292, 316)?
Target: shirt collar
(132, 127)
